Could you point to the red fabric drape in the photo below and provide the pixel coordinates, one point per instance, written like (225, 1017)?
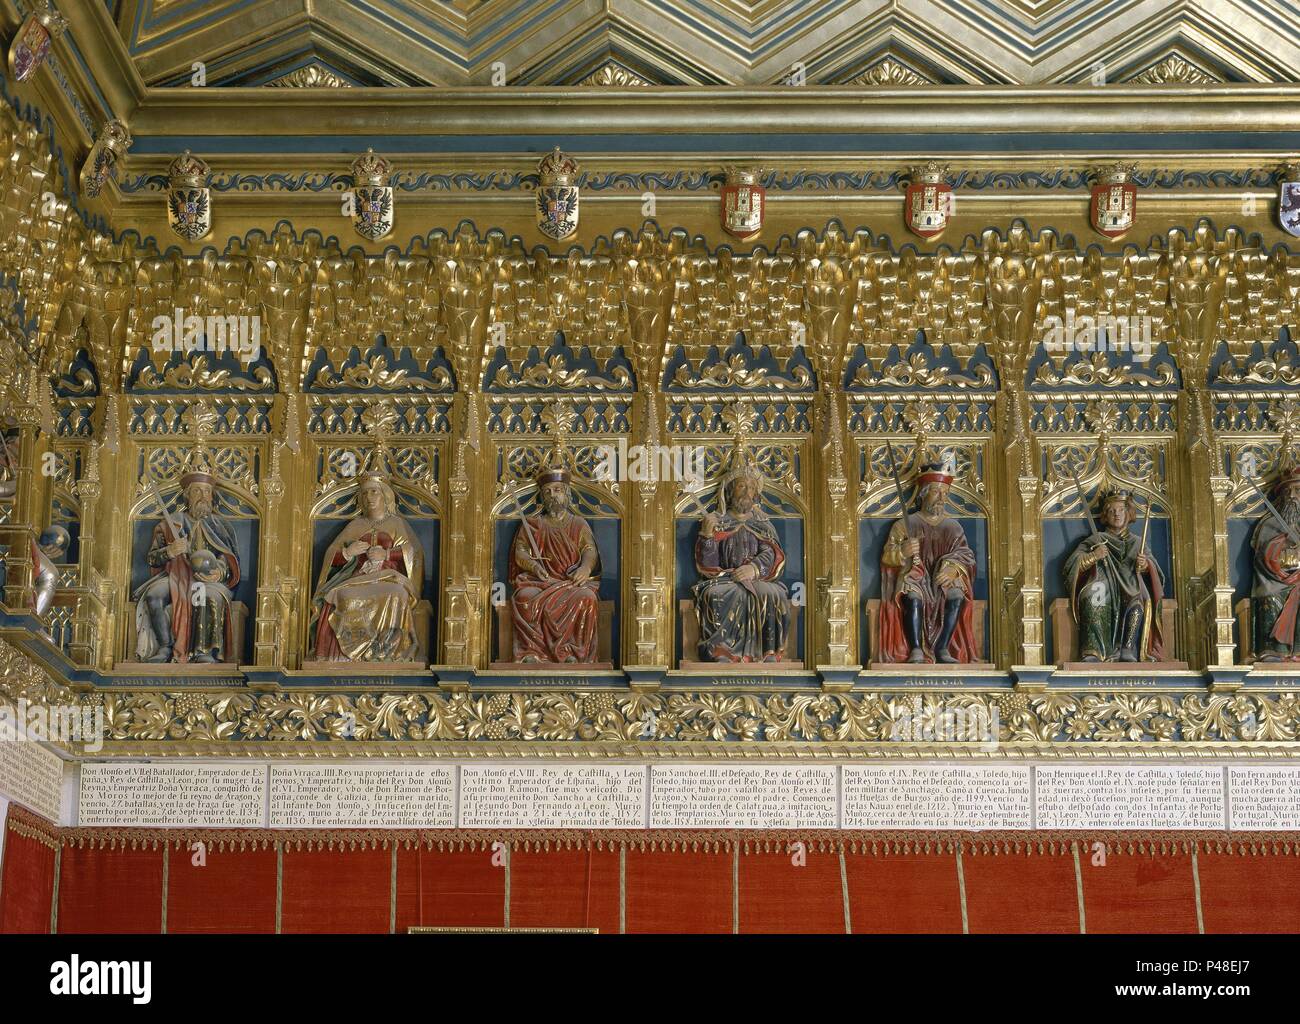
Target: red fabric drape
(559, 888)
(451, 888)
(1139, 892)
(791, 891)
(110, 889)
(1033, 893)
(232, 892)
(909, 893)
(687, 891)
(111, 880)
(1249, 893)
(336, 890)
(27, 886)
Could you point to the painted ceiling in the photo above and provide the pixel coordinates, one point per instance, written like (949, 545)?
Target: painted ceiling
(346, 43)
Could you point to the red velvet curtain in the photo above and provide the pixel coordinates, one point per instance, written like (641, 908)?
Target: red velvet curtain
(27, 883)
(114, 881)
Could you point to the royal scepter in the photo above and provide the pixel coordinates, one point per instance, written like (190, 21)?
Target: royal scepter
(1146, 526)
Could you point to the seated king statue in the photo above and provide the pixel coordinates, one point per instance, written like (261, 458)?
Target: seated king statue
(926, 574)
(1275, 594)
(554, 574)
(182, 612)
(743, 608)
(1115, 588)
(370, 583)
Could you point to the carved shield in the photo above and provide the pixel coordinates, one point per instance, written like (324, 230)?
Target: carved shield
(1114, 208)
(1288, 207)
(29, 49)
(927, 205)
(743, 206)
(189, 212)
(557, 211)
(372, 215)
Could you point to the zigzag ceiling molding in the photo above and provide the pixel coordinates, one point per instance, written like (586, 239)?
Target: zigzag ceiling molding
(669, 42)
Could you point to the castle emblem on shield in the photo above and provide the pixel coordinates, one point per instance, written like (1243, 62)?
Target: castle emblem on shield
(189, 207)
(928, 201)
(32, 43)
(1113, 209)
(1288, 200)
(743, 203)
(372, 196)
(557, 195)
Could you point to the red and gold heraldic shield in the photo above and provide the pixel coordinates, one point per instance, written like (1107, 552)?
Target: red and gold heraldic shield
(742, 209)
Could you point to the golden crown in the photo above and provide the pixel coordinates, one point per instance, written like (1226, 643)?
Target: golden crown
(187, 171)
(557, 168)
(370, 169)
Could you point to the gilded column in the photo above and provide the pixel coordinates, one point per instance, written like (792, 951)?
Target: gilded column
(466, 562)
(648, 286)
(1013, 291)
(828, 287)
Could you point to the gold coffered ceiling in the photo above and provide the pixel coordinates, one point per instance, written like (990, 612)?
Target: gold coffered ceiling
(671, 42)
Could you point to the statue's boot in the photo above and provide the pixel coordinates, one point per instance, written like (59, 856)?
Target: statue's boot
(913, 630)
(951, 610)
(1132, 635)
(161, 620)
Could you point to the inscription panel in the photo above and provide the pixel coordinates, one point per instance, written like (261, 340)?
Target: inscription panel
(1129, 797)
(753, 796)
(363, 796)
(936, 796)
(1264, 799)
(173, 795)
(549, 796)
(33, 776)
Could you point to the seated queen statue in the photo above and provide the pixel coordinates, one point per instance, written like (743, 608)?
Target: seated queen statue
(370, 583)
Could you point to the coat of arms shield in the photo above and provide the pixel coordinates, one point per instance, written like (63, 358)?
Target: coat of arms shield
(1288, 200)
(189, 201)
(744, 201)
(928, 201)
(1113, 206)
(557, 195)
(372, 196)
(32, 43)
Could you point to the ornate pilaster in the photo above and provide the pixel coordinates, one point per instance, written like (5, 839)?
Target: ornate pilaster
(828, 288)
(648, 284)
(1013, 291)
(466, 279)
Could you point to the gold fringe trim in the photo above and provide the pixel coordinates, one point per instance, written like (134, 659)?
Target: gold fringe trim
(868, 843)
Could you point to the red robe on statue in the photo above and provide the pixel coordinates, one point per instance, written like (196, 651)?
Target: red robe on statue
(554, 619)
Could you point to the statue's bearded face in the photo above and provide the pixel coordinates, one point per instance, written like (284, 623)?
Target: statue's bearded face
(1115, 514)
(198, 499)
(1291, 502)
(744, 492)
(934, 498)
(371, 499)
(555, 497)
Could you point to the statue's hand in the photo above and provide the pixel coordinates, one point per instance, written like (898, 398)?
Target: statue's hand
(356, 549)
(745, 573)
(376, 554)
(180, 546)
(1142, 563)
(912, 548)
(708, 525)
(580, 575)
